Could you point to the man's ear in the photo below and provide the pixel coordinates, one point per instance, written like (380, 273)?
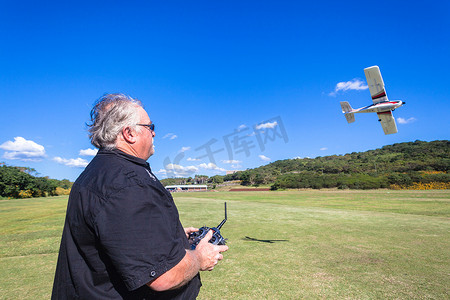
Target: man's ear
(129, 135)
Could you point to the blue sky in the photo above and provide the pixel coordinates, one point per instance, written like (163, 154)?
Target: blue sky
(251, 82)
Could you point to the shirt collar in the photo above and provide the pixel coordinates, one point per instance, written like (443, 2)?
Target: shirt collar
(134, 159)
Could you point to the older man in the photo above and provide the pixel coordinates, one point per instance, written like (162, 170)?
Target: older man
(122, 237)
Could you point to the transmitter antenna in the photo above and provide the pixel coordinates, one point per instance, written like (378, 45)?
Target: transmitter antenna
(224, 220)
(216, 239)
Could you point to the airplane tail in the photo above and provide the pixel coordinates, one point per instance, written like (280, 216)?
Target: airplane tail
(347, 110)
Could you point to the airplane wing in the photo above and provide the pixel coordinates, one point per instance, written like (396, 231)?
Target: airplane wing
(376, 84)
(387, 121)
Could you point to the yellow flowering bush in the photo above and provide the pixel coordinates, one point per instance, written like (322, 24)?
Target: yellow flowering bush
(25, 194)
(60, 191)
(423, 186)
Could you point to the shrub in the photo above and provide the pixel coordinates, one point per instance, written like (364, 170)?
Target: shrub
(60, 191)
(25, 194)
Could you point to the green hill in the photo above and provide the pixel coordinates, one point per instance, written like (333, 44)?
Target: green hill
(402, 165)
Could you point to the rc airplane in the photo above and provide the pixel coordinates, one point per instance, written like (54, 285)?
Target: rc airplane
(381, 104)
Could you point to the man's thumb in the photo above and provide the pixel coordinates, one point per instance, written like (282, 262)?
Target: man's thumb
(208, 236)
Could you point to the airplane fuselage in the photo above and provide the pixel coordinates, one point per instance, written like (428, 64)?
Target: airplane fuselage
(380, 107)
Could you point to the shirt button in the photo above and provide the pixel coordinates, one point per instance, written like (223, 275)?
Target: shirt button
(152, 274)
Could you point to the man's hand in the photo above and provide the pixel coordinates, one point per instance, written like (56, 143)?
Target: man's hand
(203, 258)
(208, 254)
(189, 230)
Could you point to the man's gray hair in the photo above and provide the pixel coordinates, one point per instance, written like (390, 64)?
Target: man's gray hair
(110, 114)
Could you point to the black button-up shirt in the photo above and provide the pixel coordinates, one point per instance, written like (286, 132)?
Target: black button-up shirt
(122, 230)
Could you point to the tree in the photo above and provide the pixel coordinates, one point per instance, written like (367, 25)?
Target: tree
(217, 179)
(16, 182)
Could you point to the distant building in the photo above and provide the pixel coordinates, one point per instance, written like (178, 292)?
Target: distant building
(187, 188)
(232, 172)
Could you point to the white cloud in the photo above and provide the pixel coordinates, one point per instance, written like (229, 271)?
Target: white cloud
(193, 159)
(323, 148)
(170, 136)
(354, 84)
(162, 171)
(72, 162)
(263, 157)
(241, 127)
(176, 170)
(231, 161)
(179, 170)
(211, 166)
(267, 125)
(88, 152)
(236, 166)
(23, 149)
(184, 149)
(406, 121)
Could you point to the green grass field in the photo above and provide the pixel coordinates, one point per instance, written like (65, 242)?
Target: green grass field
(308, 244)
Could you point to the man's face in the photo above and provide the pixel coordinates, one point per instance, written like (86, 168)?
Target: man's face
(144, 145)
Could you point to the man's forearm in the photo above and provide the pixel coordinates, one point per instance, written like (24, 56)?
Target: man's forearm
(179, 275)
(203, 258)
